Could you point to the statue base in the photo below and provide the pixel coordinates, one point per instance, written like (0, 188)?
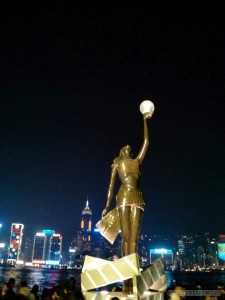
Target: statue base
(98, 277)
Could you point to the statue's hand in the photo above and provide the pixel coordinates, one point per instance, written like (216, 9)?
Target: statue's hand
(147, 115)
(104, 212)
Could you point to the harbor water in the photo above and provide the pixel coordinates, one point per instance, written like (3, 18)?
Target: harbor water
(47, 278)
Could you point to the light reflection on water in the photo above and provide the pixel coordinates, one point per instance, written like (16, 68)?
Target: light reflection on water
(208, 279)
(45, 278)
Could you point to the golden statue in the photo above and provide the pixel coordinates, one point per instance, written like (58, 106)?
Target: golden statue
(129, 199)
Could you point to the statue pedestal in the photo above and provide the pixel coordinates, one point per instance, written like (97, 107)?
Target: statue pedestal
(98, 275)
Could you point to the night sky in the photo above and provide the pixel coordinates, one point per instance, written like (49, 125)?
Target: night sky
(72, 77)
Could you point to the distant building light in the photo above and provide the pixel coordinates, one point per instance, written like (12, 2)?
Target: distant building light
(52, 262)
(40, 234)
(48, 231)
(160, 251)
(2, 245)
(72, 250)
(38, 262)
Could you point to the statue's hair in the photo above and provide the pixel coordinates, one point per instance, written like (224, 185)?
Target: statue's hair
(122, 150)
(120, 154)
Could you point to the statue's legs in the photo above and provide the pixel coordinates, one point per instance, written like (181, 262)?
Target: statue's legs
(130, 222)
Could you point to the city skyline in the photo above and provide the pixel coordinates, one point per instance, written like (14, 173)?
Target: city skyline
(46, 246)
(72, 80)
(167, 235)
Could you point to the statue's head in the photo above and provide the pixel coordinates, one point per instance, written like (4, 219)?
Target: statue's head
(125, 152)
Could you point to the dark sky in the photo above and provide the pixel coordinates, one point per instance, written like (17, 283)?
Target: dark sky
(72, 77)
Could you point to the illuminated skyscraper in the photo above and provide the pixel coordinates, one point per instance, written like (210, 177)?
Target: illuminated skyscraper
(27, 249)
(39, 248)
(15, 242)
(55, 248)
(48, 233)
(47, 248)
(86, 223)
(81, 244)
(3, 253)
(167, 254)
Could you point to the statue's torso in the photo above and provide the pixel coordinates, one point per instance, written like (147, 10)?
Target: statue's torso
(129, 193)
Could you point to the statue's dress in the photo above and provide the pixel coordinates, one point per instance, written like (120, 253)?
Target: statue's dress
(129, 193)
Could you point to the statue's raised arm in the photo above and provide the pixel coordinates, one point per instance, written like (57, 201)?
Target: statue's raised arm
(145, 144)
(147, 109)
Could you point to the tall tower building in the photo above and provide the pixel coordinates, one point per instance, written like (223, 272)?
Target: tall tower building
(15, 243)
(81, 244)
(86, 223)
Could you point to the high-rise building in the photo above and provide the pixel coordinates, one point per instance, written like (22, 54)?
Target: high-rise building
(186, 250)
(39, 248)
(55, 249)
(89, 241)
(213, 251)
(81, 244)
(48, 233)
(15, 243)
(86, 223)
(47, 248)
(166, 254)
(3, 253)
(27, 249)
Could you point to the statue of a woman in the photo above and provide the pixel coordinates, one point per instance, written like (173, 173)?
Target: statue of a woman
(129, 199)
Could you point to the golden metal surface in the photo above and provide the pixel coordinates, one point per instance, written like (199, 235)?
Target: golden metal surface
(109, 225)
(129, 199)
